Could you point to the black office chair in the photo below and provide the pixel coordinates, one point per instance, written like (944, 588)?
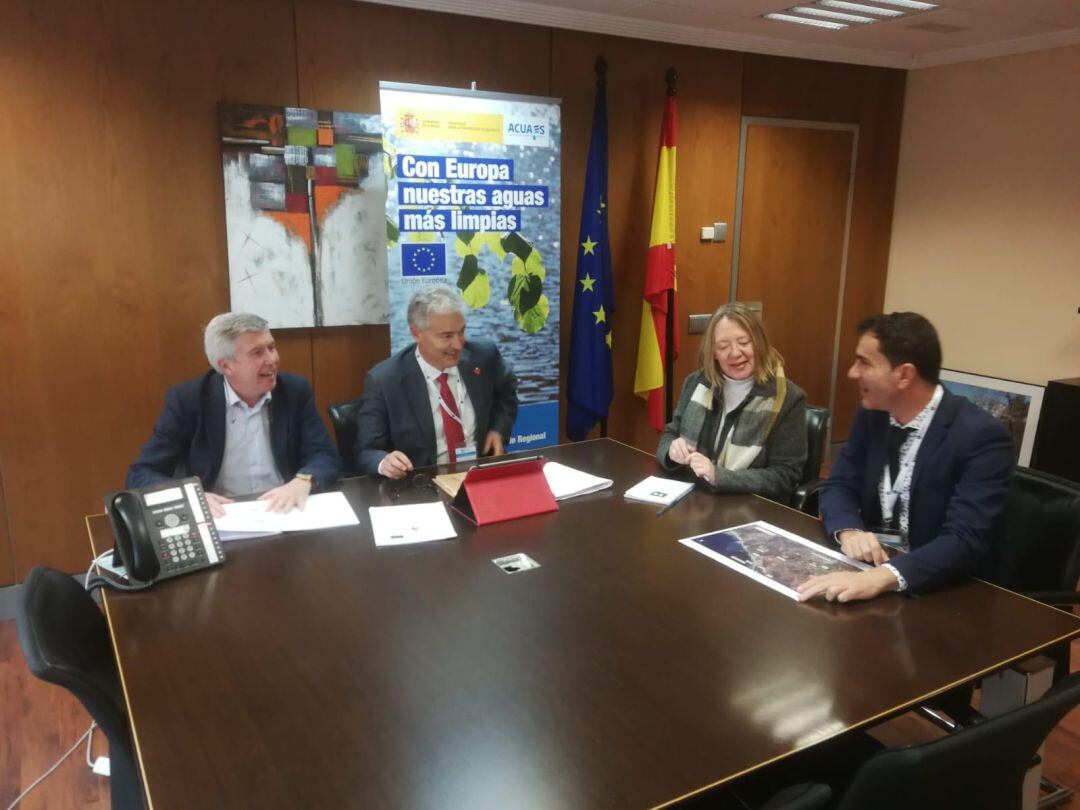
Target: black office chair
(1041, 546)
(65, 640)
(343, 417)
(817, 428)
(980, 766)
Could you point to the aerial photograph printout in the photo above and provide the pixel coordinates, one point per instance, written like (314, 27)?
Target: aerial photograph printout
(775, 558)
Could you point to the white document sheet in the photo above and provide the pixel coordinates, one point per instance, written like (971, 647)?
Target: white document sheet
(326, 510)
(566, 482)
(410, 523)
(660, 491)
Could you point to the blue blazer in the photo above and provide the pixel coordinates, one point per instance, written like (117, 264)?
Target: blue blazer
(189, 437)
(395, 411)
(958, 491)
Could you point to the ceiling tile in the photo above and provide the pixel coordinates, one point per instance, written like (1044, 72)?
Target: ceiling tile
(971, 29)
(959, 31)
(1059, 12)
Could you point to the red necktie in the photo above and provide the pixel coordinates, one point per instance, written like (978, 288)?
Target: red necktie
(455, 435)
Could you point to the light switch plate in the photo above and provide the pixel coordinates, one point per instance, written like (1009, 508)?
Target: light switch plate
(698, 323)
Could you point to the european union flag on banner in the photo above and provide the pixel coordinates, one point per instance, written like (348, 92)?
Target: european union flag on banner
(590, 386)
(424, 259)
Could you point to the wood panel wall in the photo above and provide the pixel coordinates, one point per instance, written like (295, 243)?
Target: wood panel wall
(113, 233)
(706, 166)
(873, 98)
(112, 218)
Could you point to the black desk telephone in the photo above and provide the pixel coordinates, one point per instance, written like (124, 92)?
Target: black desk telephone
(163, 530)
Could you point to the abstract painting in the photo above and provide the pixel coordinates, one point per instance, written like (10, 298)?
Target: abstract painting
(305, 214)
(1016, 405)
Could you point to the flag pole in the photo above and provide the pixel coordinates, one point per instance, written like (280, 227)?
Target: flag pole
(672, 79)
(657, 340)
(600, 67)
(589, 387)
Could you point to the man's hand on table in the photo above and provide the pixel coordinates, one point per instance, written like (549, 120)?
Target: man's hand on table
(395, 464)
(863, 546)
(287, 497)
(849, 586)
(217, 504)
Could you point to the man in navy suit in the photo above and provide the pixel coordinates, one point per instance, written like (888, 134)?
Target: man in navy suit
(442, 399)
(244, 427)
(922, 469)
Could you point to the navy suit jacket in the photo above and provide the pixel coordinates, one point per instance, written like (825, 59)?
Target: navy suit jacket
(958, 491)
(395, 410)
(189, 437)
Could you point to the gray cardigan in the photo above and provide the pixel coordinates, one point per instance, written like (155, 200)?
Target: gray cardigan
(776, 471)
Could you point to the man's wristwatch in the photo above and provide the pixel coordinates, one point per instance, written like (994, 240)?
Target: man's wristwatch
(305, 477)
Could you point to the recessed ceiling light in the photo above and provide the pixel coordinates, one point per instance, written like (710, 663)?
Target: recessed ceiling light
(915, 5)
(860, 8)
(832, 15)
(791, 18)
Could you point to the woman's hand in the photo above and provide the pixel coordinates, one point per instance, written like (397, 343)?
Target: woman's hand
(703, 467)
(680, 451)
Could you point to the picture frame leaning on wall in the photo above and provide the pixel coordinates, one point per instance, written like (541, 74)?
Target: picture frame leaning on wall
(1015, 404)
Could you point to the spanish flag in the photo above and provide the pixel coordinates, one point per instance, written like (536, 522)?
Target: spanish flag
(649, 382)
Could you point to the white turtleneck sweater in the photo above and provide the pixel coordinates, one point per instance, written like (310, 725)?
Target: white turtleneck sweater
(735, 391)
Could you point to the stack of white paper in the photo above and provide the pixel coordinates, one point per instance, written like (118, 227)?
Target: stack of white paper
(252, 518)
(566, 482)
(660, 491)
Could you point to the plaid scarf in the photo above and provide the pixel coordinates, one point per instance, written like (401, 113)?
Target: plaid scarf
(752, 421)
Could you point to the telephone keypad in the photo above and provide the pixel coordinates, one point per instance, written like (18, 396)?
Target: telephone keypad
(180, 551)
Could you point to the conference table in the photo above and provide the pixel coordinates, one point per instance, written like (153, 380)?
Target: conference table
(318, 670)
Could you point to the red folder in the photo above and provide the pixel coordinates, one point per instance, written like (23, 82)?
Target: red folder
(504, 490)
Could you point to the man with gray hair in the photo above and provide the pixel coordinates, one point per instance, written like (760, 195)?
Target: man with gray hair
(441, 400)
(243, 427)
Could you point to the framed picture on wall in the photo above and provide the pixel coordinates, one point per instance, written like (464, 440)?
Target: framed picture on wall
(1016, 405)
(305, 214)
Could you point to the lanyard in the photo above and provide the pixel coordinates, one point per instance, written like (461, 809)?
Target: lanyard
(450, 413)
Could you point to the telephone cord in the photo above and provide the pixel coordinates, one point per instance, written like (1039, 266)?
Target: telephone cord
(92, 583)
(56, 765)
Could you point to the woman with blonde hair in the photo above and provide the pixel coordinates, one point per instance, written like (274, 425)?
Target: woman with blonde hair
(740, 425)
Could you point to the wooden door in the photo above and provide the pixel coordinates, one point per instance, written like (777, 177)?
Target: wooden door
(792, 234)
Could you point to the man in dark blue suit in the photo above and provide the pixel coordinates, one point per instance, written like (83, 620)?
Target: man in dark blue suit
(921, 467)
(244, 427)
(442, 399)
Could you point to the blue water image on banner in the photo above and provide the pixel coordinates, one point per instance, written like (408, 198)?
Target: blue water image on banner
(426, 260)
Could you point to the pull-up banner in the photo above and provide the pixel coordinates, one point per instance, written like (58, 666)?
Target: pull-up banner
(474, 202)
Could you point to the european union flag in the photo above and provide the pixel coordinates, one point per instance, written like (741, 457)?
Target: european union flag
(425, 259)
(590, 385)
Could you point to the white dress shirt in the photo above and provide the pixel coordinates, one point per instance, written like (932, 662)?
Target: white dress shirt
(898, 493)
(247, 466)
(461, 396)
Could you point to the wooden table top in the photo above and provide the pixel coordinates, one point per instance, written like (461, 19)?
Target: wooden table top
(316, 670)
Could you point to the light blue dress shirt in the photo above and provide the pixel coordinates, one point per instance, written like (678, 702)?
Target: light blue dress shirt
(247, 466)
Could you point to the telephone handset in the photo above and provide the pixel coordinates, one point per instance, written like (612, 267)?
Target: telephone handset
(164, 530)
